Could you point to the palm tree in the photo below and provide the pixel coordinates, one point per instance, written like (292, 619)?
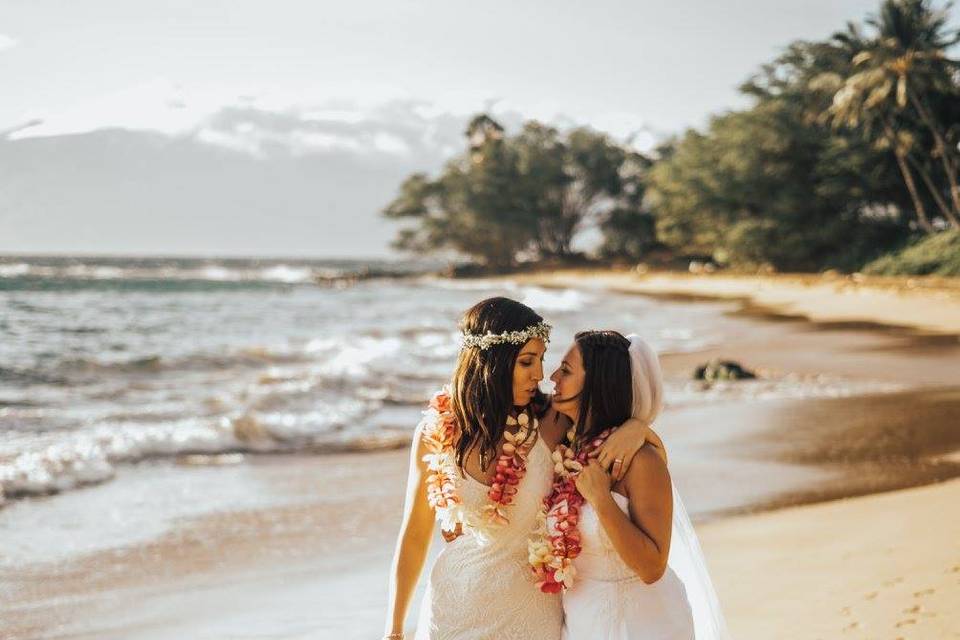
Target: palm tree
(906, 65)
(860, 102)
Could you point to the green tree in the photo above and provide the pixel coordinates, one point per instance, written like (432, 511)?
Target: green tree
(570, 182)
(473, 208)
(762, 186)
(895, 81)
(542, 157)
(522, 195)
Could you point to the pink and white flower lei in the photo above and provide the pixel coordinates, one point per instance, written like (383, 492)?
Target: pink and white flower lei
(440, 433)
(556, 540)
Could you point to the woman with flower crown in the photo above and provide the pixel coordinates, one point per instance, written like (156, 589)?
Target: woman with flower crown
(622, 551)
(481, 464)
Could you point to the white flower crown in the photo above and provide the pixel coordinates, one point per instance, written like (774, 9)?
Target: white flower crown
(472, 340)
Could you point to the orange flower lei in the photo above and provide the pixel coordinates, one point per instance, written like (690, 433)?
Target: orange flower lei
(439, 428)
(556, 540)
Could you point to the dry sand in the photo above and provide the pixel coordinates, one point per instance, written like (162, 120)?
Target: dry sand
(930, 304)
(885, 566)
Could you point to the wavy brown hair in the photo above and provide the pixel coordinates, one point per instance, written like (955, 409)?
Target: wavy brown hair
(482, 386)
(607, 396)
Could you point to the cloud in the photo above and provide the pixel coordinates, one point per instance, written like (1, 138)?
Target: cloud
(268, 125)
(6, 42)
(391, 131)
(253, 125)
(153, 105)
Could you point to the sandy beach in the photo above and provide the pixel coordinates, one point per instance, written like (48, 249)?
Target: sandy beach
(883, 566)
(927, 304)
(840, 520)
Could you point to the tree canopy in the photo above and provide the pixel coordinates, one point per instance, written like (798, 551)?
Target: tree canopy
(848, 151)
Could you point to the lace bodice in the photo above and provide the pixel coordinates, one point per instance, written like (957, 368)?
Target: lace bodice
(486, 590)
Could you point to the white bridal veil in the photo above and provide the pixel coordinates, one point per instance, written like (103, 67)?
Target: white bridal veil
(686, 557)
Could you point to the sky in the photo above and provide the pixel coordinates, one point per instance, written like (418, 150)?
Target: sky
(334, 103)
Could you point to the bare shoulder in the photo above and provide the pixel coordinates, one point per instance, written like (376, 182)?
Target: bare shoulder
(648, 471)
(659, 448)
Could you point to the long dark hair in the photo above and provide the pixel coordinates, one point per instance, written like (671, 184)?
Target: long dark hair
(482, 387)
(607, 396)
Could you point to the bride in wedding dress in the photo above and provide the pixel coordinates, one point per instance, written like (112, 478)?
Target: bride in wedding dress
(640, 573)
(481, 465)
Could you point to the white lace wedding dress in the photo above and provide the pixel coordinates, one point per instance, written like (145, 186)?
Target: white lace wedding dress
(610, 602)
(483, 591)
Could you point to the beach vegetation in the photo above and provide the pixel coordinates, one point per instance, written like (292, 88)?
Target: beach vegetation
(937, 254)
(848, 155)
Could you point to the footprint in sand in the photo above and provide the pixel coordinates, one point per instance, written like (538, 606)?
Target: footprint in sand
(850, 627)
(870, 596)
(925, 592)
(904, 623)
(914, 609)
(845, 611)
(890, 583)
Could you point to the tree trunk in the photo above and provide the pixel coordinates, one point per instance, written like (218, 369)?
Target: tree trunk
(918, 206)
(921, 211)
(941, 147)
(935, 192)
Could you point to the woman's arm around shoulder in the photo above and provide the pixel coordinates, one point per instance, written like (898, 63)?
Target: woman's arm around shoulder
(413, 540)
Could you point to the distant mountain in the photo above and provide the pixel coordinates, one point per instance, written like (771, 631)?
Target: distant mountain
(245, 181)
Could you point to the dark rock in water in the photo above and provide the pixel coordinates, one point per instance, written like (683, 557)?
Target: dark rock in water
(722, 370)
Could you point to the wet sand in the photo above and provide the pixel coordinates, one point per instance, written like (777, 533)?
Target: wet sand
(316, 568)
(300, 571)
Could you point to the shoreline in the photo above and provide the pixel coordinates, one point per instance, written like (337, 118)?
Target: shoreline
(923, 304)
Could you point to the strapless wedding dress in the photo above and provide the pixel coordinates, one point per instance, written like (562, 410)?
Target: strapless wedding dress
(483, 591)
(610, 602)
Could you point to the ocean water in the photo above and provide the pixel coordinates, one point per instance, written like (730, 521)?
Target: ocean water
(110, 362)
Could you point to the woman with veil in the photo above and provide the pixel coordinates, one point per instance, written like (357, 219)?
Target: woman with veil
(638, 572)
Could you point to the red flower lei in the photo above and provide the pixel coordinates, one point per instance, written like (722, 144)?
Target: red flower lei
(440, 432)
(556, 540)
